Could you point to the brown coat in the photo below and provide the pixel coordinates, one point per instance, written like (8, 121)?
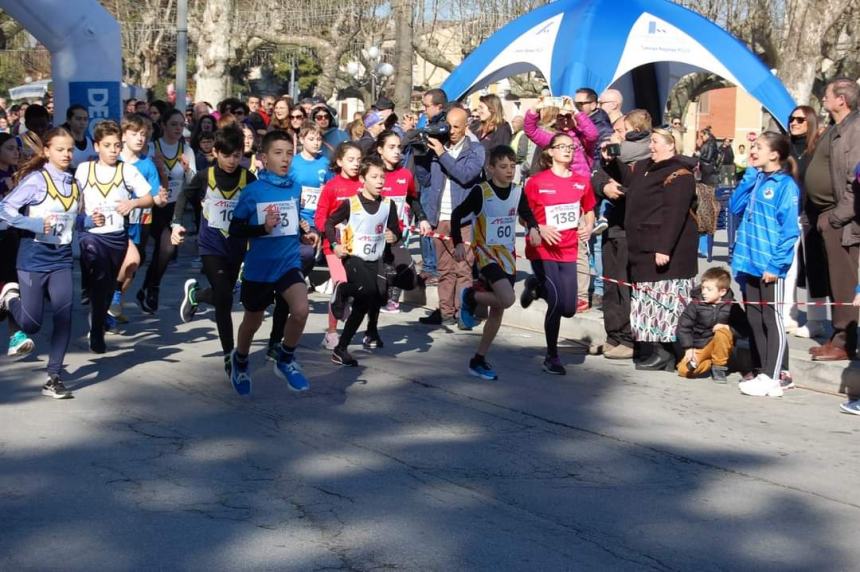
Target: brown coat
(844, 157)
(658, 219)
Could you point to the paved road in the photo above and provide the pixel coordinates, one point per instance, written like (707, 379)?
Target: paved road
(407, 463)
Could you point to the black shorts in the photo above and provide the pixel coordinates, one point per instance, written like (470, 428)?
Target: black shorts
(492, 273)
(257, 296)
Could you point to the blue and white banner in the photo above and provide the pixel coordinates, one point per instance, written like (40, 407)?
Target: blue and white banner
(101, 98)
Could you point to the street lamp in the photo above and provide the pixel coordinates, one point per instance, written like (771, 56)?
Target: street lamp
(378, 70)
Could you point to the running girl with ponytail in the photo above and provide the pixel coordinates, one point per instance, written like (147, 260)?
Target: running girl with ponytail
(563, 204)
(110, 190)
(178, 158)
(345, 184)
(766, 199)
(49, 198)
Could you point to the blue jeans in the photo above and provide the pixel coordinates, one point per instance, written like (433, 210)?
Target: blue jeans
(595, 259)
(428, 255)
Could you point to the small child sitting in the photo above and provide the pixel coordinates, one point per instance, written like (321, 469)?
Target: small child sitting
(703, 329)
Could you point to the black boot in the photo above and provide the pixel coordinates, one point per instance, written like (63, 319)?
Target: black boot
(642, 351)
(660, 360)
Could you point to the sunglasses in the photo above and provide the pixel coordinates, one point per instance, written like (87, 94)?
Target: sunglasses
(581, 104)
(297, 116)
(318, 117)
(795, 119)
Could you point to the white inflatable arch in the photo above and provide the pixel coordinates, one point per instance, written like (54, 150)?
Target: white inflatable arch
(86, 52)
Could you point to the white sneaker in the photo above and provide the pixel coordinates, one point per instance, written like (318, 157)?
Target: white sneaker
(790, 324)
(761, 386)
(327, 288)
(813, 329)
(330, 340)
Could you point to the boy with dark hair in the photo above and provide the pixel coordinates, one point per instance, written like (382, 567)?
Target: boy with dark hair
(703, 329)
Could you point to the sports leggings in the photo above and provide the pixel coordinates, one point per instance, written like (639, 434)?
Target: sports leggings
(101, 260)
(558, 288)
(766, 323)
(162, 248)
(222, 273)
(366, 284)
(29, 309)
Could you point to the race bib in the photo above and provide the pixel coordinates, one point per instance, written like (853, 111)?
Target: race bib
(289, 225)
(62, 226)
(564, 216)
(501, 231)
(140, 216)
(368, 246)
(113, 220)
(310, 198)
(219, 213)
(399, 202)
(173, 188)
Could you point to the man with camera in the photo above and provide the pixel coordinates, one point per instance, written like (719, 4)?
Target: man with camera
(447, 172)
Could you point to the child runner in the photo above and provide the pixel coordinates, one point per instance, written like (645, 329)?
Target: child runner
(268, 214)
(178, 158)
(563, 204)
(400, 188)
(135, 131)
(766, 199)
(49, 199)
(19, 343)
(310, 170)
(78, 123)
(218, 188)
(495, 204)
(110, 190)
(345, 184)
(371, 222)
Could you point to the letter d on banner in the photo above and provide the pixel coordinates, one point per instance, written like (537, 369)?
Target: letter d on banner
(101, 98)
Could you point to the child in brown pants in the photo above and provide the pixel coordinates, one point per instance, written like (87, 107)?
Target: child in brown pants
(703, 329)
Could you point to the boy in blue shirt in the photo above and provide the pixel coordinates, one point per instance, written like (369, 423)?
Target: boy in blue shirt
(268, 215)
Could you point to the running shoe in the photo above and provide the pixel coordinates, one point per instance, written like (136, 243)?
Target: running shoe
(240, 377)
(228, 366)
(466, 319)
(761, 386)
(20, 345)
(391, 308)
(553, 365)
(338, 301)
(600, 226)
(274, 351)
(582, 306)
(85, 297)
(142, 297)
(530, 293)
(115, 309)
(719, 373)
(111, 325)
(330, 340)
(372, 342)
(10, 290)
(152, 298)
(188, 307)
(785, 380)
(291, 372)
(482, 369)
(55, 388)
(343, 357)
(852, 407)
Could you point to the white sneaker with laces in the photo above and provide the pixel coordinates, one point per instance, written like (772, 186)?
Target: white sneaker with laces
(761, 386)
(330, 340)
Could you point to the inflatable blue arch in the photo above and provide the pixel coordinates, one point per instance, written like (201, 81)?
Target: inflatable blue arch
(641, 47)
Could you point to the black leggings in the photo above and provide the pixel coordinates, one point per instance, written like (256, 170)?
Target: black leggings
(162, 248)
(768, 329)
(101, 260)
(558, 287)
(366, 284)
(222, 274)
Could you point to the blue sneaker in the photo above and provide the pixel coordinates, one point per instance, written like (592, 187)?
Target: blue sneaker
(466, 319)
(852, 407)
(482, 369)
(291, 372)
(20, 345)
(240, 377)
(111, 325)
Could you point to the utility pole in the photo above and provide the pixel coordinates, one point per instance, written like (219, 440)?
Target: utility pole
(181, 53)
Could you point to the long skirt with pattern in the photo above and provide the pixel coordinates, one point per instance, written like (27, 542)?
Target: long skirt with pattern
(655, 308)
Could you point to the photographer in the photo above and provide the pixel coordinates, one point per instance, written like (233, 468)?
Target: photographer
(452, 169)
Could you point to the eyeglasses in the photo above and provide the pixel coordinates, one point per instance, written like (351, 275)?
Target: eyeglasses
(796, 119)
(297, 116)
(321, 116)
(581, 104)
(562, 147)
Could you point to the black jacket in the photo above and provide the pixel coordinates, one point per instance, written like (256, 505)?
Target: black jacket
(696, 324)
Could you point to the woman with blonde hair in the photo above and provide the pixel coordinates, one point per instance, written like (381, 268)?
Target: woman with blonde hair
(493, 130)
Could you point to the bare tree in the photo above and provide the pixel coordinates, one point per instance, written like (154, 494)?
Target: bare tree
(147, 37)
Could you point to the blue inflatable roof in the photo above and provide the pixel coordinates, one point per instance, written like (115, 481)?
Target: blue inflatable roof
(595, 43)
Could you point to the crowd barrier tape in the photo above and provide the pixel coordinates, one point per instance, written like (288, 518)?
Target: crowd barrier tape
(639, 288)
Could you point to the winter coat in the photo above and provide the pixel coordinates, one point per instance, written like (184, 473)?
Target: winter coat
(844, 156)
(635, 148)
(657, 218)
(696, 324)
(464, 172)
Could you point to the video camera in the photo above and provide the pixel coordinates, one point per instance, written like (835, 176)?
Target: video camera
(440, 131)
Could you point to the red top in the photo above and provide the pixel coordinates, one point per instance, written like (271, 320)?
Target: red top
(399, 184)
(547, 189)
(336, 190)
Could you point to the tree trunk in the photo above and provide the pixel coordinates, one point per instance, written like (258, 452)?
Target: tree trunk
(214, 50)
(403, 66)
